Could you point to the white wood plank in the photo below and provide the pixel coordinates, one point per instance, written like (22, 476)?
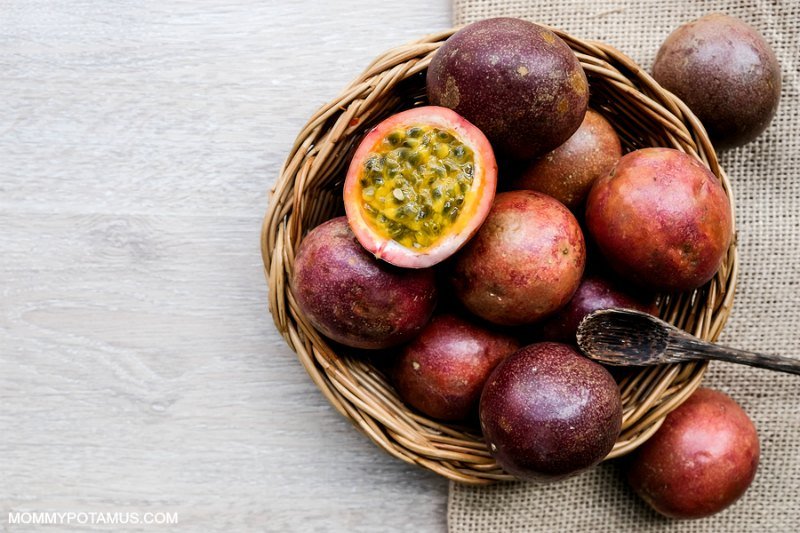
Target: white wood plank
(139, 368)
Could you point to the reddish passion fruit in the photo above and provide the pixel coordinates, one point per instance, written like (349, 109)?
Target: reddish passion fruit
(524, 264)
(443, 370)
(661, 219)
(726, 73)
(354, 299)
(419, 186)
(568, 172)
(700, 461)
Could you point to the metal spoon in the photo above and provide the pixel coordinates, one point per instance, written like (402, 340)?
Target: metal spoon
(626, 337)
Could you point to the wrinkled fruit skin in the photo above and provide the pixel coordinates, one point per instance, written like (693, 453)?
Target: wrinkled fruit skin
(700, 461)
(443, 370)
(475, 199)
(516, 81)
(594, 293)
(661, 219)
(547, 412)
(525, 262)
(352, 297)
(726, 73)
(568, 172)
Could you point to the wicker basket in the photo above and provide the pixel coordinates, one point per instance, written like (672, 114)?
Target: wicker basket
(309, 191)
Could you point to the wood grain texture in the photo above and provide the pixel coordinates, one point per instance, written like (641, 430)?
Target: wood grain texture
(139, 368)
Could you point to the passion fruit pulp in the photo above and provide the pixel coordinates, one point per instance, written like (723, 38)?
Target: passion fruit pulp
(419, 186)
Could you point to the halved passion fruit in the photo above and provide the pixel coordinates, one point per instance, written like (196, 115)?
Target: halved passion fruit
(419, 186)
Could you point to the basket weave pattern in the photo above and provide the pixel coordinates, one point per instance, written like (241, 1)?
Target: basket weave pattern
(309, 191)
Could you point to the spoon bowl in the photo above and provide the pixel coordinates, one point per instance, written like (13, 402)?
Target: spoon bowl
(627, 337)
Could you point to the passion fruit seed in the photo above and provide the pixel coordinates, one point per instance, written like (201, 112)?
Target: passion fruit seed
(414, 183)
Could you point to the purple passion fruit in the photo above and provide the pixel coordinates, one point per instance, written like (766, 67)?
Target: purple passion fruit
(594, 293)
(515, 80)
(547, 412)
(353, 298)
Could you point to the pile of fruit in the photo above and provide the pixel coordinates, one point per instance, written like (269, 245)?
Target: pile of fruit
(475, 295)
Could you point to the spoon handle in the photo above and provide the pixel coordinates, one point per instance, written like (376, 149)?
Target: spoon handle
(695, 348)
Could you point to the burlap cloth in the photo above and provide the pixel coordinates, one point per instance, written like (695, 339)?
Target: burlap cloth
(765, 177)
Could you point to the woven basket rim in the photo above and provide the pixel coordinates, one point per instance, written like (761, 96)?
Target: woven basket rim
(304, 190)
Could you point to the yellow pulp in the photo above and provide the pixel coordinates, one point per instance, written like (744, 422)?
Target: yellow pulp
(414, 184)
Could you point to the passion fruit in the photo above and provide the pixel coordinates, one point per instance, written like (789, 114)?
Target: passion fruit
(443, 370)
(547, 412)
(661, 219)
(353, 298)
(568, 172)
(594, 293)
(700, 461)
(419, 186)
(518, 82)
(726, 73)
(524, 264)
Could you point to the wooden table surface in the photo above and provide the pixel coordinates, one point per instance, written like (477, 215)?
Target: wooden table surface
(139, 367)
